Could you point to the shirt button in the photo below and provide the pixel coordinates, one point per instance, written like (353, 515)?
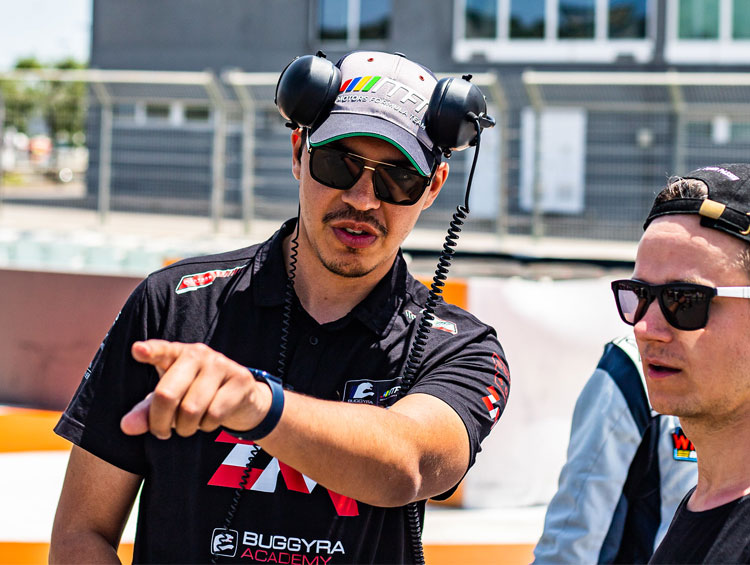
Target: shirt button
(313, 340)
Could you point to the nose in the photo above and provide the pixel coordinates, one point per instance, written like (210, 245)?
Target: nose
(653, 326)
(362, 195)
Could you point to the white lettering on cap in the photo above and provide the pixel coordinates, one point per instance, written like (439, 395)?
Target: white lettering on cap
(729, 174)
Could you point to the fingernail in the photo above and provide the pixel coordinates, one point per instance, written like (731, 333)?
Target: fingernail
(163, 437)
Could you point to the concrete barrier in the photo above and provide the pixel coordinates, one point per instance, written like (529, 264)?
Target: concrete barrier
(51, 325)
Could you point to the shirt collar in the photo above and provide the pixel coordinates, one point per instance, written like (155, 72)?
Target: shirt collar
(378, 308)
(376, 311)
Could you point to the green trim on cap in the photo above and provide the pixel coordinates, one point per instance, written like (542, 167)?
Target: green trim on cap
(343, 136)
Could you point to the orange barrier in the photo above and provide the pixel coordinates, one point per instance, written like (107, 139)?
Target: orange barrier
(29, 430)
(509, 554)
(455, 291)
(17, 553)
(505, 554)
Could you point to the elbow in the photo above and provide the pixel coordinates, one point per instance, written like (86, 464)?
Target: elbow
(80, 547)
(401, 487)
(62, 549)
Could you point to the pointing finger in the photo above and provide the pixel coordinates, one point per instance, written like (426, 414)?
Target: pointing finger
(157, 352)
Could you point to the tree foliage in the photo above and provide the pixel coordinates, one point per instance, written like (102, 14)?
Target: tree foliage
(61, 106)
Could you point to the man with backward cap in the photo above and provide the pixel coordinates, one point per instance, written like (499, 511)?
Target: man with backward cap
(688, 303)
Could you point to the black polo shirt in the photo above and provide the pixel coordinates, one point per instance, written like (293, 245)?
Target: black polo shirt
(234, 303)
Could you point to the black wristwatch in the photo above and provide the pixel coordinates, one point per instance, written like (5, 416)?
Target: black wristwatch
(268, 423)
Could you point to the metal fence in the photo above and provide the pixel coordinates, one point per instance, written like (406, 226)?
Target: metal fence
(574, 154)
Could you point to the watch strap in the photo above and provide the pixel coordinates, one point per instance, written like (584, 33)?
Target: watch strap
(273, 416)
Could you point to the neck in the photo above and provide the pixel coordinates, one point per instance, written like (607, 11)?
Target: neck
(723, 461)
(323, 294)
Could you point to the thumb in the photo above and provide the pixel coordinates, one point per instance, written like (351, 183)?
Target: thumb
(135, 422)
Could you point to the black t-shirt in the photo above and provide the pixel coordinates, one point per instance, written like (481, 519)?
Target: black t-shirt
(234, 303)
(717, 535)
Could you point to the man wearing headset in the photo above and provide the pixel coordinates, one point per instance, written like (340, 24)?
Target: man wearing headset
(170, 405)
(688, 304)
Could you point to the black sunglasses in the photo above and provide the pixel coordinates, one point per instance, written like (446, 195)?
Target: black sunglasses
(341, 169)
(684, 305)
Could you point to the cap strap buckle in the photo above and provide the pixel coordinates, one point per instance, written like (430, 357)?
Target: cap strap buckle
(715, 210)
(747, 231)
(711, 209)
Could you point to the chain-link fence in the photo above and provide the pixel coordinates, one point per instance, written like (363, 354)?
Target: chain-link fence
(597, 146)
(574, 154)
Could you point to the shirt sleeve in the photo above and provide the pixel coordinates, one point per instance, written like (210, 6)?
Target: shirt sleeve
(603, 441)
(113, 383)
(467, 371)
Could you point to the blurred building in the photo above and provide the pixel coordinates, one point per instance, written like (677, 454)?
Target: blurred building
(580, 155)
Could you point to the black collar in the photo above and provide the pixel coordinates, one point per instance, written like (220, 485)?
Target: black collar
(376, 311)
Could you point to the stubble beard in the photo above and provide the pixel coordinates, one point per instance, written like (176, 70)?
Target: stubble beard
(344, 268)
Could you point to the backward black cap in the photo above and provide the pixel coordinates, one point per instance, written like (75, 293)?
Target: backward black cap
(727, 207)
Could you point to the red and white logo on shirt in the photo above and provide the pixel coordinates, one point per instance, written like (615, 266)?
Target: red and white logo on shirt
(229, 474)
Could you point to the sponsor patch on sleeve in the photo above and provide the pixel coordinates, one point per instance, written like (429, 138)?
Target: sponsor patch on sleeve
(195, 281)
(376, 393)
(437, 323)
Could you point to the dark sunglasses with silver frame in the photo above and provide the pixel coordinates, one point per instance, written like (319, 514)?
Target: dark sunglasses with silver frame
(340, 169)
(684, 305)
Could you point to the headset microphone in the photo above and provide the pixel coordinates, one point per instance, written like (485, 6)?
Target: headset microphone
(449, 120)
(308, 87)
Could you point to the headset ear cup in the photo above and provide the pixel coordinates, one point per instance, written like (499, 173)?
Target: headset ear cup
(307, 89)
(447, 122)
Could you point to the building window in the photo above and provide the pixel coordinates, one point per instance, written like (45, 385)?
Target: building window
(556, 19)
(527, 19)
(576, 19)
(554, 31)
(741, 19)
(374, 19)
(332, 19)
(481, 19)
(197, 114)
(157, 112)
(123, 111)
(627, 19)
(708, 32)
(698, 19)
(352, 21)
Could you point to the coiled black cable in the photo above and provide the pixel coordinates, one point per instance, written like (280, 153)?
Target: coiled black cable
(286, 317)
(425, 323)
(280, 372)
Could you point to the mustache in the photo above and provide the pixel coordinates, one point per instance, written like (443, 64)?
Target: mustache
(363, 217)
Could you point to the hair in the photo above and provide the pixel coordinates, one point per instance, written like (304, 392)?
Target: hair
(678, 187)
(303, 139)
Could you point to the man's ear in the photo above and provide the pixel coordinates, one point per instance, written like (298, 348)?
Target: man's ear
(438, 180)
(297, 148)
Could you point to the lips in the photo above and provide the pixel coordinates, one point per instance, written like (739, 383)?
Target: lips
(659, 370)
(356, 235)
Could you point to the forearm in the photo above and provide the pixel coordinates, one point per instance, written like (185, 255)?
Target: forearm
(416, 449)
(380, 457)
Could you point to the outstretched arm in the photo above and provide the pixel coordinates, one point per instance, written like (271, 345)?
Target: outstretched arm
(416, 449)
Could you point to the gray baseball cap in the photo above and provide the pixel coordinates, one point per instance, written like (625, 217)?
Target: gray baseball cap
(382, 95)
